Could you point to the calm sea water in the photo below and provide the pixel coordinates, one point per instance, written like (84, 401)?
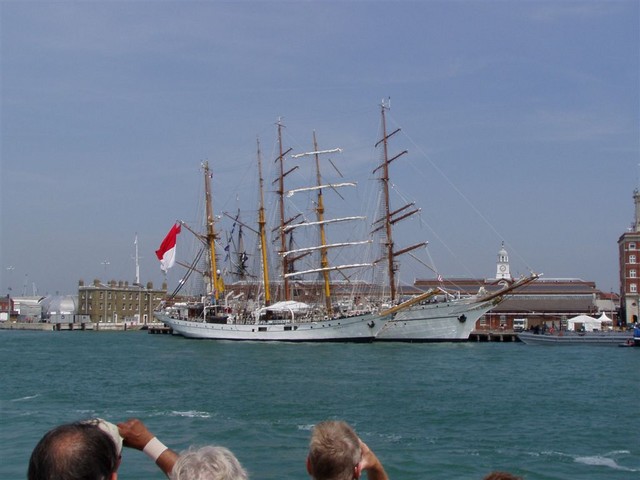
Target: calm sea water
(430, 411)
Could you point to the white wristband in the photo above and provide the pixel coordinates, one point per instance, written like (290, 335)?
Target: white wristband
(154, 448)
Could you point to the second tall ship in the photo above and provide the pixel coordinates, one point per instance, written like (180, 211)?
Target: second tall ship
(441, 316)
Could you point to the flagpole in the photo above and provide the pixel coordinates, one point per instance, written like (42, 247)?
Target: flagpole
(137, 263)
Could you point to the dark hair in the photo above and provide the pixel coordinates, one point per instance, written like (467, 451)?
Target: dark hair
(76, 451)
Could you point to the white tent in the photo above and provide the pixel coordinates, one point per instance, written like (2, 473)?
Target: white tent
(589, 323)
(607, 323)
(285, 307)
(288, 306)
(604, 319)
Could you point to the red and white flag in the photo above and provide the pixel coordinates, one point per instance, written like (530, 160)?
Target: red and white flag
(167, 251)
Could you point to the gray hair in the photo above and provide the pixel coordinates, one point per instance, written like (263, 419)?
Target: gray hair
(208, 463)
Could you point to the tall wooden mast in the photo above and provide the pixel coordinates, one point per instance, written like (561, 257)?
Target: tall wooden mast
(321, 221)
(263, 234)
(324, 262)
(286, 262)
(214, 278)
(389, 217)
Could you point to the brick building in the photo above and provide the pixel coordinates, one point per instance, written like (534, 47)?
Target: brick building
(629, 261)
(6, 309)
(550, 301)
(117, 302)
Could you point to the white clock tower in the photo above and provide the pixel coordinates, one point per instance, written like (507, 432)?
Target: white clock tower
(502, 270)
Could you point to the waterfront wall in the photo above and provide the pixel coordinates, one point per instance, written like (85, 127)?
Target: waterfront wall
(49, 327)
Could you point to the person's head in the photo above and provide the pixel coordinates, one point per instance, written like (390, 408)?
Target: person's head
(208, 463)
(501, 476)
(76, 451)
(334, 452)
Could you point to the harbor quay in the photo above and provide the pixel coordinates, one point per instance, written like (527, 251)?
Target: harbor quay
(493, 336)
(80, 327)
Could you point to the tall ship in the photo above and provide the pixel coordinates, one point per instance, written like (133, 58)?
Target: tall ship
(286, 320)
(440, 316)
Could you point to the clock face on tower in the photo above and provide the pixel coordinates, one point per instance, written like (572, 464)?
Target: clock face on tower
(503, 268)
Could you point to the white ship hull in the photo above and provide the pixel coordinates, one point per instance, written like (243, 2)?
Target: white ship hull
(361, 328)
(435, 322)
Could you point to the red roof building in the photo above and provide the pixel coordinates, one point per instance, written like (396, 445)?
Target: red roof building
(629, 258)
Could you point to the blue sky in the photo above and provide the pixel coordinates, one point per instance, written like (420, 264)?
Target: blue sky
(521, 120)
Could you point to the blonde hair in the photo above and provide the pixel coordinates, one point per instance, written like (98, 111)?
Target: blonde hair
(334, 451)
